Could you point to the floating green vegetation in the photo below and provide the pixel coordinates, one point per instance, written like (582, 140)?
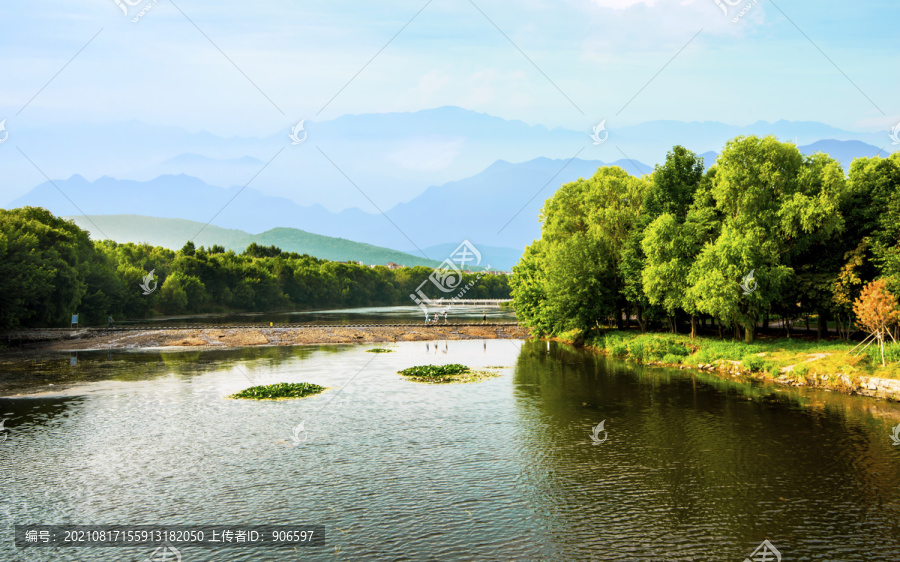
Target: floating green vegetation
(279, 391)
(453, 372)
(379, 350)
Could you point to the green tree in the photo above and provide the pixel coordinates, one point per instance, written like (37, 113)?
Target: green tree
(42, 273)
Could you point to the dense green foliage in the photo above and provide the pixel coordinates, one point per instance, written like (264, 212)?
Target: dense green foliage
(50, 269)
(675, 246)
(279, 390)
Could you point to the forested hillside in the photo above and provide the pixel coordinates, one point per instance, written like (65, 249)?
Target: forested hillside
(171, 233)
(765, 234)
(50, 268)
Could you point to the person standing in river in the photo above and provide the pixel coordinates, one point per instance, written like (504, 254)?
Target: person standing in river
(483, 317)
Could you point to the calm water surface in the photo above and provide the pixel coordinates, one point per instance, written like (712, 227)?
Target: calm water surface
(693, 468)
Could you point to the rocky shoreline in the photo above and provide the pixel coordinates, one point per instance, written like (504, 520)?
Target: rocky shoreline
(874, 387)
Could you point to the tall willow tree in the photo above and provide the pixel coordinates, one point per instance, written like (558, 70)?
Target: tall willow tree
(774, 203)
(668, 244)
(569, 278)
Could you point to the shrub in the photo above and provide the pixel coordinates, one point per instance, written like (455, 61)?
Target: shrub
(672, 358)
(753, 362)
(619, 348)
(801, 370)
(636, 349)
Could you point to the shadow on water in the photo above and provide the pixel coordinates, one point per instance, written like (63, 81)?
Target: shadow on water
(694, 463)
(55, 371)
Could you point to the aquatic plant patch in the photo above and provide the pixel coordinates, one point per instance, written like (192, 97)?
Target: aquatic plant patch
(453, 372)
(379, 350)
(279, 390)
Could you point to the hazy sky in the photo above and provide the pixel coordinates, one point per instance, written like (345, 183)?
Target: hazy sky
(562, 63)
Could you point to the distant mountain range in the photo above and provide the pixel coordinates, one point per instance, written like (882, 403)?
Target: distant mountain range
(369, 161)
(496, 208)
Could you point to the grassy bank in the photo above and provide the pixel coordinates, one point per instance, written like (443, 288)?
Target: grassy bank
(775, 357)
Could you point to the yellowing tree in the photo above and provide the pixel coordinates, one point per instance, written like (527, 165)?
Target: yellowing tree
(876, 310)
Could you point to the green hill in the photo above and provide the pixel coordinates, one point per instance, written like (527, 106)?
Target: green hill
(173, 233)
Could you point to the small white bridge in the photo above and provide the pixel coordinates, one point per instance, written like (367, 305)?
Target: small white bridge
(473, 302)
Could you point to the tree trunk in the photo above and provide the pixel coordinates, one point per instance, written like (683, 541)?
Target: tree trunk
(737, 331)
(693, 326)
(749, 331)
(640, 318)
(719, 323)
(822, 325)
(766, 321)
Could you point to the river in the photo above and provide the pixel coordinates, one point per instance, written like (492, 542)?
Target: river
(689, 467)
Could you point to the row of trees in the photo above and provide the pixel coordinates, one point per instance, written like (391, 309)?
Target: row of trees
(50, 268)
(677, 245)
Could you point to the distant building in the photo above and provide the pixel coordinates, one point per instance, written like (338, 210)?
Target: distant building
(392, 265)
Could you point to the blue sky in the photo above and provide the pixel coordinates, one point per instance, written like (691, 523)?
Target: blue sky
(599, 57)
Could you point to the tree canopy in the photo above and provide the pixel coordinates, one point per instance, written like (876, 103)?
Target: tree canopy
(765, 232)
